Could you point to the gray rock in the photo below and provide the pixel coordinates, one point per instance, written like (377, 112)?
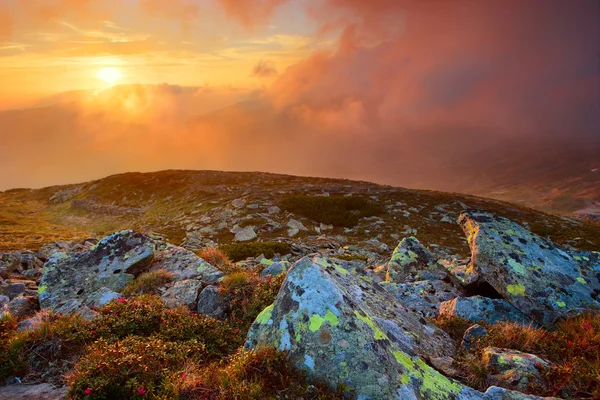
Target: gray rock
(513, 369)
(24, 306)
(238, 203)
(411, 261)
(295, 224)
(102, 297)
(184, 264)
(182, 292)
(212, 303)
(479, 308)
(338, 326)
(422, 297)
(112, 263)
(498, 393)
(273, 210)
(277, 268)
(542, 279)
(293, 232)
(246, 234)
(472, 336)
(41, 391)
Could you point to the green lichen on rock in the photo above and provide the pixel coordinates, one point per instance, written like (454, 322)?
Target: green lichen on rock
(343, 330)
(72, 281)
(411, 261)
(542, 279)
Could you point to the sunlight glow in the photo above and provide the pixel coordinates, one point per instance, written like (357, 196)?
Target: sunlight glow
(109, 75)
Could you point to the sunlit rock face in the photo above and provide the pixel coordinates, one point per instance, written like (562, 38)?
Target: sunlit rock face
(540, 278)
(343, 328)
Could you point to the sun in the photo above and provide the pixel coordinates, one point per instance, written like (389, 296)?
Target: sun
(109, 75)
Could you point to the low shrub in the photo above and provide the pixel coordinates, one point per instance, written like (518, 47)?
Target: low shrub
(133, 368)
(261, 374)
(452, 325)
(241, 251)
(147, 283)
(337, 211)
(215, 257)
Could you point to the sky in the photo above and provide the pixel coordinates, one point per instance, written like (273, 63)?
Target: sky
(394, 91)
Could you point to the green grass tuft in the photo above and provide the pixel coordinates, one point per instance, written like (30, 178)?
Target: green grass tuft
(337, 211)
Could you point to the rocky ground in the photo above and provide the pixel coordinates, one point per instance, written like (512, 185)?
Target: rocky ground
(371, 278)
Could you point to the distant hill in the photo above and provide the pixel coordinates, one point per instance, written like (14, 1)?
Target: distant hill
(197, 209)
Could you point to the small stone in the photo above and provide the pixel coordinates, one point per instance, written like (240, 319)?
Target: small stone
(275, 269)
(472, 335)
(513, 369)
(273, 210)
(295, 224)
(246, 234)
(24, 306)
(212, 303)
(182, 292)
(238, 203)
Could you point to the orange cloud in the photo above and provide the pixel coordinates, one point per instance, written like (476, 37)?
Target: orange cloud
(264, 69)
(250, 12)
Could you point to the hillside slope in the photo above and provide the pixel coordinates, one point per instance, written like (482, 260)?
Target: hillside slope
(197, 209)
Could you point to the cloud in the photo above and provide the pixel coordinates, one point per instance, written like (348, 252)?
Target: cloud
(264, 69)
(250, 12)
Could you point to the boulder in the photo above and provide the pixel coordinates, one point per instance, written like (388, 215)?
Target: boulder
(68, 279)
(184, 264)
(238, 203)
(513, 369)
(411, 261)
(212, 303)
(540, 278)
(245, 234)
(422, 297)
(340, 327)
(479, 308)
(182, 292)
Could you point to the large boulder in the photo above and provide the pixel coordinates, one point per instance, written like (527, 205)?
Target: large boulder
(212, 303)
(71, 281)
(341, 327)
(40, 391)
(184, 264)
(498, 393)
(479, 308)
(411, 261)
(543, 279)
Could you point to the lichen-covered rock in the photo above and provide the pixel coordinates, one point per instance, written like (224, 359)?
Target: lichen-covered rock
(513, 369)
(472, 336)
(341, 327)
(184, 264)
(422, 297)
(411, 261)
(68, 279)
(275, 269)
(182, 292)
(498, 393)
(212, 303)
(479, 308)
(537, 276)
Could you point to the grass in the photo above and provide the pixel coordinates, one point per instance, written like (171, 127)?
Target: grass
(337, 210)
(352, 257)
(240, 251)
(217, 258)
(147, 283)
(573, 346)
